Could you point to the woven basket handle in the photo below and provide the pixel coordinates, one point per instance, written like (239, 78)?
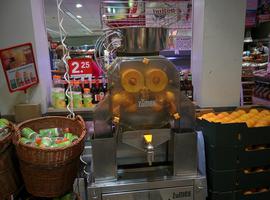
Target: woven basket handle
(15, 138)
(81, 121)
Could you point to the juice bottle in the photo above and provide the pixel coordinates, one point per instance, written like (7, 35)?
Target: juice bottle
(101, 90)
(58, 93)
(94, 91)
(87, 98)
(77, 95)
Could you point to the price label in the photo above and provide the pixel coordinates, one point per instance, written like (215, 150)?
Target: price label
(80, 66)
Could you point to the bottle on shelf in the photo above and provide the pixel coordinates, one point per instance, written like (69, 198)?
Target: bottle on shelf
(189, 76)
(58, 93)
(101, 90)
(87, 98)
(189, 90)
(86, 83)
(94, 90)
(186, 85)
(77, 95)
(105, 84)
(181, 76)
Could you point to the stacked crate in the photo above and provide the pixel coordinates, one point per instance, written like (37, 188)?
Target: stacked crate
(237, 161)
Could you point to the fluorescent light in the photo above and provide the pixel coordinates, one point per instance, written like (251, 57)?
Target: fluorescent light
(79, 16)
(78, 5)
(76, 20)
(248, 39)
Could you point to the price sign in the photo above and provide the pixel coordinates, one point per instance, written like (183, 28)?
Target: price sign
(79, 67)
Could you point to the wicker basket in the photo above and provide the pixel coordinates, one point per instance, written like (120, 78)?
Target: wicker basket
(5, 142)
(50, 172)
(10, 179)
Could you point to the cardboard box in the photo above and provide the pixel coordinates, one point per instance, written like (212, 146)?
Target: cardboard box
(27, 111)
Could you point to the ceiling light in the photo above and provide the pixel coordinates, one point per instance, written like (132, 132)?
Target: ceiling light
(78, 5)
(248, 37)
(76, 19)
(79, 16)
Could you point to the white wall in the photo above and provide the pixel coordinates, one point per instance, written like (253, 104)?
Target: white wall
(22, 22)
(42, 52)
(218, 35)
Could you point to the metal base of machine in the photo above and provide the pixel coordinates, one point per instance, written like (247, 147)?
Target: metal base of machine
(165, 188)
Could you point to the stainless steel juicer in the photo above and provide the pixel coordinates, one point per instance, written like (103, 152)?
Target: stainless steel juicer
(144, 146)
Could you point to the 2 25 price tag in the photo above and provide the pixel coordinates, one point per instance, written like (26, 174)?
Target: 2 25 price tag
(80, 66)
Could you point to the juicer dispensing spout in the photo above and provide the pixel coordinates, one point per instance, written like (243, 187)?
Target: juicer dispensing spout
(149, 148)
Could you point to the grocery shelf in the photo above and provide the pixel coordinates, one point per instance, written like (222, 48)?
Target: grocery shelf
(51, 109)
(264, 82)
(260, 101)
(247, 90)
(247, 102)
(86, 113)
(247, 76)
(248, 82)
(247, 86)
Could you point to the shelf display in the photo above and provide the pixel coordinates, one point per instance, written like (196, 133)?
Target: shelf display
(85, 92)
(186, 83)
(253, 63)
(87, 83)
(262, 88)
(247, 85)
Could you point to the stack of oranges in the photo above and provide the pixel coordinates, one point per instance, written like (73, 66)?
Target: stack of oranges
(253, 117)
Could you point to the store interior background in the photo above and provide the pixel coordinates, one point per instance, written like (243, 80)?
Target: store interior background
(215, 58)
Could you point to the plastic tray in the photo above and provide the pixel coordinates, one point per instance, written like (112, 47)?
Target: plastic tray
(237, 195)
(222, 181)
(236, 157)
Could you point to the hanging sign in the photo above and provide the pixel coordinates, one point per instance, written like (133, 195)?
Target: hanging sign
(170, 14)
(80, 67)
(19, 67)
(183, 43)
